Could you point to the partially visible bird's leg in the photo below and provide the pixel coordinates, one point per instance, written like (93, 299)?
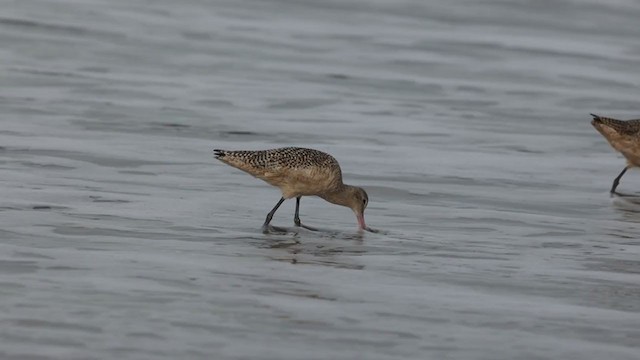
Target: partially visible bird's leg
(296, 217)
(616, 181)
(266, 227)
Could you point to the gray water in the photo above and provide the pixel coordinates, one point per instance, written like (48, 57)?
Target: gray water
(121, 237)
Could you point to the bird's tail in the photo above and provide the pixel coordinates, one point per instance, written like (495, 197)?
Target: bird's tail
(617, 125)
(600, 119)
(251, 162)
(219, 154)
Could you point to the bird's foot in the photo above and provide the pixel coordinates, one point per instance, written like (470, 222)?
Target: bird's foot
(622, 195)
(371, 230)
(299, 224)
(614, 192)
(269, 229)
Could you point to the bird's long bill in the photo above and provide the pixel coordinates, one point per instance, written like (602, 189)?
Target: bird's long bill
(361, 221)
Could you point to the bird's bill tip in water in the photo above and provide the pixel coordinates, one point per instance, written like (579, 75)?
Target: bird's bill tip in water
(361, 221)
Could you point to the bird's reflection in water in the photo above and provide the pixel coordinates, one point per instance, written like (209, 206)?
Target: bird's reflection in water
(628, 204)
(322, 247)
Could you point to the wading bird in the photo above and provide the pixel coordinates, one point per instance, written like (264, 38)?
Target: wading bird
(624, 136)
(299, 172)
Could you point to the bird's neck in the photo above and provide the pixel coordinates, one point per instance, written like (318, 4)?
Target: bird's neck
(340, 196)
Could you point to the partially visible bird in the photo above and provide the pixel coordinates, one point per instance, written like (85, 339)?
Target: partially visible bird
(624, 136)
(299, 172)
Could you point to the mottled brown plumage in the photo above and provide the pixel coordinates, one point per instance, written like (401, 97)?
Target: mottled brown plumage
(299, 172)
(624, 136)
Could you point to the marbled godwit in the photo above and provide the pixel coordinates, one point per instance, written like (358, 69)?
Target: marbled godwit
(624, 136)
(299, 172)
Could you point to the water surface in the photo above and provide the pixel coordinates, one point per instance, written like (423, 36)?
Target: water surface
(467, 123)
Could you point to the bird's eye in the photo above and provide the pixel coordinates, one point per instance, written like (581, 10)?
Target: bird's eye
(364, 201)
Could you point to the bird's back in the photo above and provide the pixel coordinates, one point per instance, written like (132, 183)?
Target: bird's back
(623, 135)
(296, 171)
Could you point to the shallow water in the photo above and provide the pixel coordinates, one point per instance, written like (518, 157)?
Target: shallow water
(468, 124)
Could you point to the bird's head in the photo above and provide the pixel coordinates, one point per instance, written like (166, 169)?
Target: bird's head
(358, 201)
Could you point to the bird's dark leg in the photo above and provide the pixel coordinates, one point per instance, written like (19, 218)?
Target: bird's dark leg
(616, 181)
(296, 217)
(266, 227)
